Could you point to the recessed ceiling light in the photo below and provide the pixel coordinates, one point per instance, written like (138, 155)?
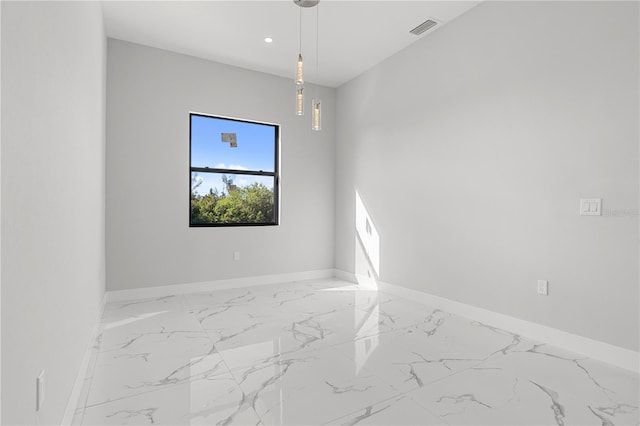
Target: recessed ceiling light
(268, 40)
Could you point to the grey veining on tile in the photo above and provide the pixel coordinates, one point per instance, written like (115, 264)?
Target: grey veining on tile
(329, 352)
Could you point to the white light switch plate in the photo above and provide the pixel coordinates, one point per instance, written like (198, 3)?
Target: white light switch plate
(591, 207)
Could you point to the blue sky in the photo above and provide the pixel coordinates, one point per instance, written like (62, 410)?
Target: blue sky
(255, 151)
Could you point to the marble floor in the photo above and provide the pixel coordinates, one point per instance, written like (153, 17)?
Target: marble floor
(327, 352)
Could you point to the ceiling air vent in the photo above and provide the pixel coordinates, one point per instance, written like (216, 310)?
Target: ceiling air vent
(428, 24)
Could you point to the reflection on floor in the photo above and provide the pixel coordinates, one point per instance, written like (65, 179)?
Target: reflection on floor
(327, 352)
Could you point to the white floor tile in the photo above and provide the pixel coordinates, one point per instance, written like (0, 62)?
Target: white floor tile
(395, 411)
(215, 400)
(329, 352)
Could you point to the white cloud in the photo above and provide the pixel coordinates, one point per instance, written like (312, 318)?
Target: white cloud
(230, 166)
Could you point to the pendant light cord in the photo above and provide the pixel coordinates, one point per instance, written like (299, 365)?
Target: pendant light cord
(317, 43)
(300, 29)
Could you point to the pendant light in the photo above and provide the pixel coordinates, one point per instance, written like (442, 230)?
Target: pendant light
(299, 75)
(316, 104)
(300, 100)
(316, 120)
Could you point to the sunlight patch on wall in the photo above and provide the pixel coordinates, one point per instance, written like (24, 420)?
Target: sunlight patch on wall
(367, 246)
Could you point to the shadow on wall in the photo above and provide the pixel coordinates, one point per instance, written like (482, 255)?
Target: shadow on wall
(367, 247)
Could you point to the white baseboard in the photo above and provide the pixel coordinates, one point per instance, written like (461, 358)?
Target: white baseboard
(615, 355)
(344, 275)
(620, 357)
(72, 403)
(168, 290)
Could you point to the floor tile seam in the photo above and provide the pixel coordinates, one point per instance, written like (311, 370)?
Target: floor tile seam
(439, 379)
(302, 315)
(398, 395)
(139, 300)
(495, 356)
(509, 372)
(272, 361)
(148, 333)
(243, 389)
(164, 387)
(134, 314)
(420, 304)
(272, 306)
(277, 357)
(213, 345)
(506, 404)
(215, 350)
(288, 286)
(360, 406)
(262, 364)
(282, 327)
(183, 363)
(311, 348)
(408, 393)
(413, 322)
(157, 358)
(235, 380)
(185, 381)
(93, 362)
(423, 406)
(412, 393)
(282, 321)
(382, 333)
(259, 288)
(518, 374)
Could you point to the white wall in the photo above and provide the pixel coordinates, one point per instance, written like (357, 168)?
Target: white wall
(0, 212)
(471, 149)
(53, 82)
(149, 242)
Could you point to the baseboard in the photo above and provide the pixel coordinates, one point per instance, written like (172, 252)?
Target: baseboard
(72, 403)
(344, 275)
(168, 290)
(615, 355)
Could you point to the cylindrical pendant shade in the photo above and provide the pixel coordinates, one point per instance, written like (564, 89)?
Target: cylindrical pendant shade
(316, 111)
(300, 71)
(299, 100)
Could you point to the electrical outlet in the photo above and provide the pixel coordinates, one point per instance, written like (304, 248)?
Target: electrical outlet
(591, 207)
(40, 390)
(236, 255)
(543, 287)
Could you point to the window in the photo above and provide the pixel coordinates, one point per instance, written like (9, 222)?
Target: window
(233, 172)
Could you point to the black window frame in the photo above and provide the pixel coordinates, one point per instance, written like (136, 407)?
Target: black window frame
(275, 174)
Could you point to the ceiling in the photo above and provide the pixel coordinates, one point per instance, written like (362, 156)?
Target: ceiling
(353, 35)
